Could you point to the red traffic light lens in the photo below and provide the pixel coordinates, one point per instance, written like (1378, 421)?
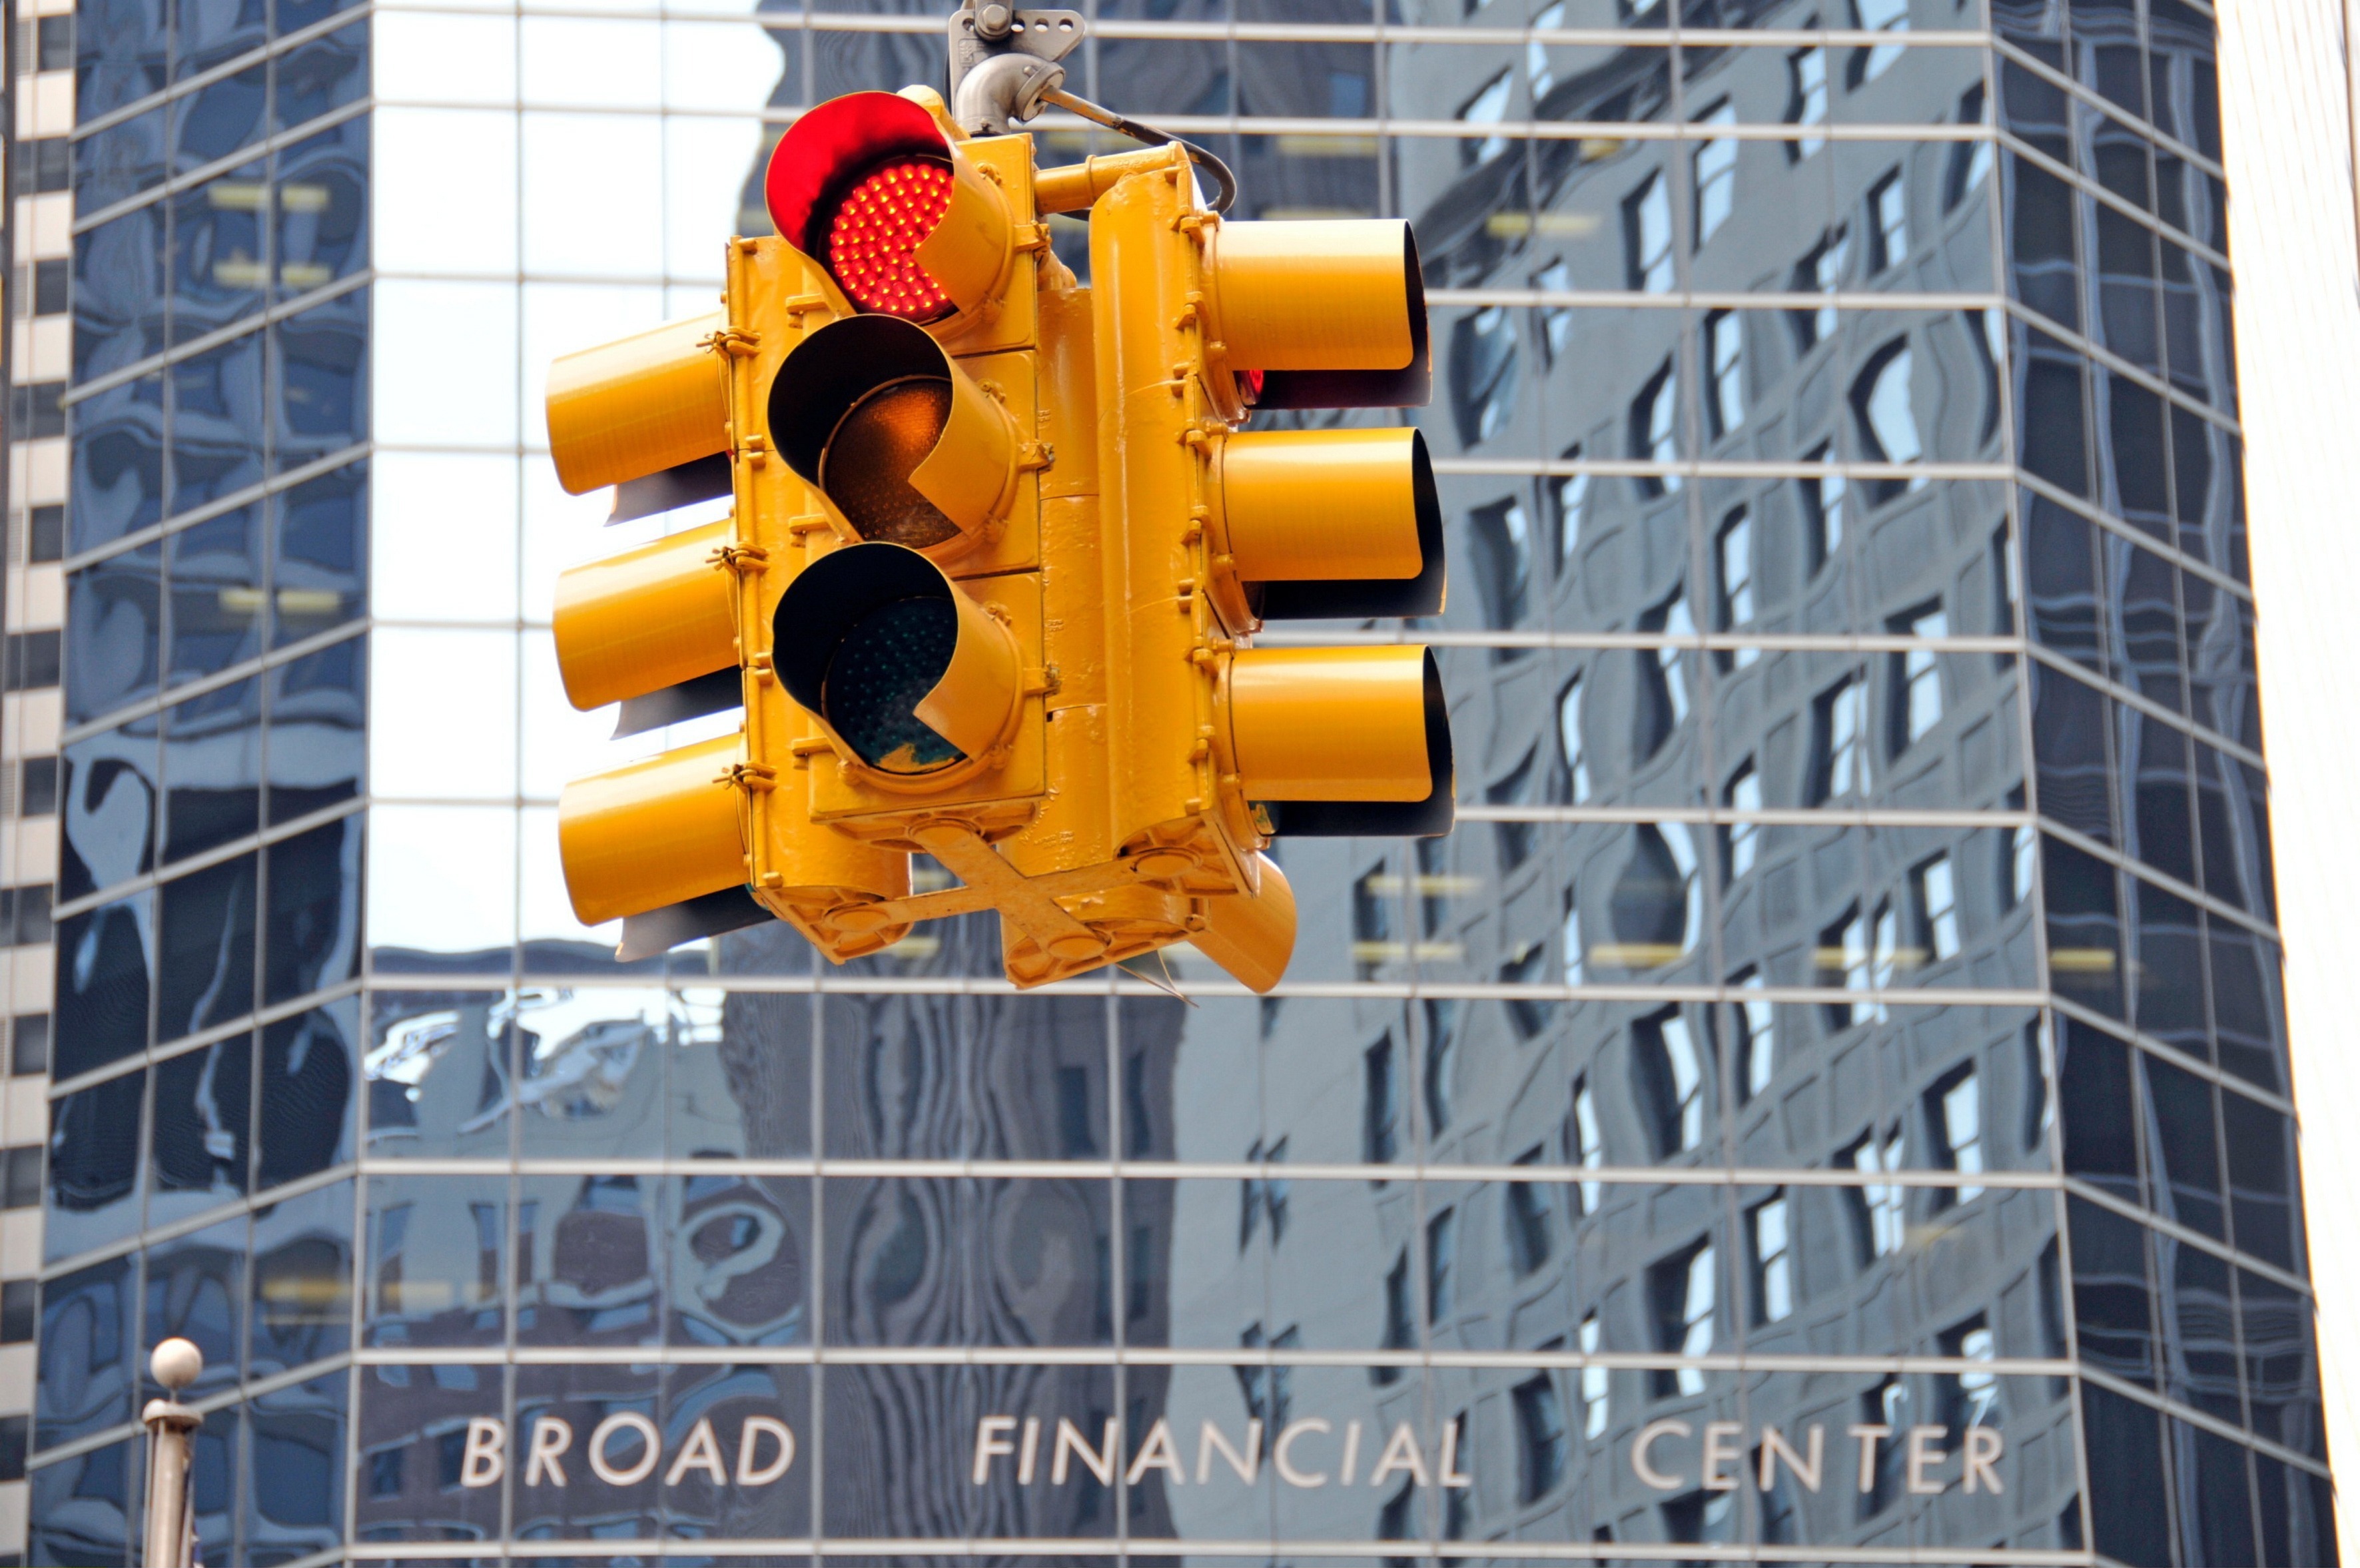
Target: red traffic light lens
(873, 239)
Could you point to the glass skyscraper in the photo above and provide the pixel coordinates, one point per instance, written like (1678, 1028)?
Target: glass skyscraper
(1826, 1101)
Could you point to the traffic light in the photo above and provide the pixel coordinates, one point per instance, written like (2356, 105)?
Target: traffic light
(998, 551)
(699, 839)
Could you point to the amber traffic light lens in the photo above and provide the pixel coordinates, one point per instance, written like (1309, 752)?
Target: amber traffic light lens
(881, 442)
(887, 663)
(873, 240)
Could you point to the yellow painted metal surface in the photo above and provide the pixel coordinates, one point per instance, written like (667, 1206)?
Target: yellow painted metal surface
(1073, 187)
(971, 474)
(974, 706)
(1329, 723)
(648, 402)
(968, 254)
(1325, 294)
(1317, 505)
(1252, 935)
(655, 832)
(646, 620)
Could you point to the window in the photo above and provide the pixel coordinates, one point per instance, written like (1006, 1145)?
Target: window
(1843, 958)
(1970, 162)
(1372, 923)
(1501, 538)
(1680, 1288)
(1955, 1116)
(1885, 419)
(1647, 238)
(1757, 1035)
(1880, 1209)
(1250, 1199)
(1659, 905)
(1915, 687)
(1398, 1519)
(1567, 494)
(1582, 1143)
(1528, 1221)
(2004, 581)
(1671, 1082)
(1987, 335)
(1379, 1105)
(1596, 1388)
(1733, 558)
(1557, 321)
(1441, 1237)
(20, 1177)
(1654, 430)
(1821, 271)
(1441, 1027)
(1528, 965)
(1838, 734)
(1968, 1398)
(1076, 1138)
(1724, 338)
(1771, 1261)
(1740, 840)
(1401, 1324)
(2017, 863)
(1934, 890)
(1537, 71)
(1714, 165)
(1806, 97)
(1663, 704)
(1276, 1192)
(28, 1044)
(1435, 885)
(1888, 218)
(2037, 1113)
(1569, 741)
(1887, 955)
(1877, 16)
(1823, 504)
(1482, 372)
(1886, 1405)
(19, 1311)
(1570, 938)
(1540, 1438)
(1488, 107)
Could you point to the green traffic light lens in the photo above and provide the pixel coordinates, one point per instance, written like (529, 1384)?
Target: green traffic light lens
(881, 670)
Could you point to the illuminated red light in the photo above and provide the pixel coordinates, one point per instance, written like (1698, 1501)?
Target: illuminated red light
(873, 240)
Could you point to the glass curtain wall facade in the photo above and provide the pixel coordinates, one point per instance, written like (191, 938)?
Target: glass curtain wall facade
(1826, 1102)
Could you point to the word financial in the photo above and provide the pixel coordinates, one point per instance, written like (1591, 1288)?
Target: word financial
(626, 1448)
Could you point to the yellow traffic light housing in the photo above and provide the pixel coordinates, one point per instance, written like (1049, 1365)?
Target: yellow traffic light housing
(997, 549)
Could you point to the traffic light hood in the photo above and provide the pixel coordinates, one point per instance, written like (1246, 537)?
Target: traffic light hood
(1320, 313)
(910, 673)
(871, 411)
(649, 414)
(872, 187)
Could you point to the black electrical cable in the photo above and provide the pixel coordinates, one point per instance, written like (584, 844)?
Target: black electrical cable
(1100, 116)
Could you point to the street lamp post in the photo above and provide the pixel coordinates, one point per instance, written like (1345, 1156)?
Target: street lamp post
(171, 1525)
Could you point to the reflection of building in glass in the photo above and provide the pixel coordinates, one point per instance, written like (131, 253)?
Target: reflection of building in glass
(1848, 1003)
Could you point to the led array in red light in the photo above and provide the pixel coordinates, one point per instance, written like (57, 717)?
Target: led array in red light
(873, 240)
